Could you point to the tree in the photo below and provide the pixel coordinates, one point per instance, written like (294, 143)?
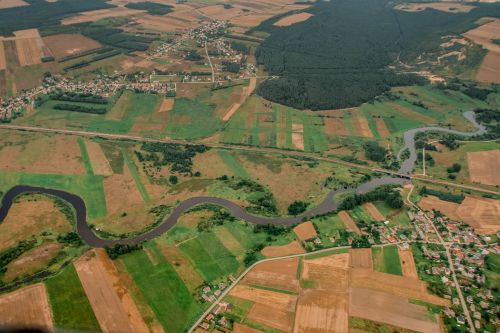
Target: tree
(173, 179)
(297, 207)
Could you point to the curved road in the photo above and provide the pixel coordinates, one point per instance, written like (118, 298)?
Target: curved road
(328, 205)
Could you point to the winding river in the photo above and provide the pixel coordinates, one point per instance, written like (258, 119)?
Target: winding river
(328, 204)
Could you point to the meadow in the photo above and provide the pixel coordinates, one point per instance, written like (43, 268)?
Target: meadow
(70, 306)
(386, 260)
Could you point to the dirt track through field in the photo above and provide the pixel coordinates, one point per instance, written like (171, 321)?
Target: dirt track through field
(108, 308)
(247, 91)
(27, 307)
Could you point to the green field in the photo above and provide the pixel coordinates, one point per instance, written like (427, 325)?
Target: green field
(233, 164)
(209, 256)
(85, 156)
(163, 290)
(135, 174)
(90, 188)
(386, 260)
(70, 306)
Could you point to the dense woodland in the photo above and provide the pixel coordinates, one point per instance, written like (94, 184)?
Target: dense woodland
(41, 13)
(340, 56)
(152, 8)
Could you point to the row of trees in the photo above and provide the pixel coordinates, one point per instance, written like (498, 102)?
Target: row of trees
(79, 108)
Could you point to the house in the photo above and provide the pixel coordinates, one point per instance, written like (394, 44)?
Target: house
(461, 320)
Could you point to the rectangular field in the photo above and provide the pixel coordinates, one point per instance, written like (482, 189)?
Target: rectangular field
(64, 45)
(386, 259)
(349, 222)
(483, 167)
(27, 307)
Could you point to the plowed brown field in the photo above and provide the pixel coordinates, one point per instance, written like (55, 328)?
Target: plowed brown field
(349, 222)
(361, 258)
(483, 167)
(305, 231)
(280, 274)
(374, 212)
(283, 250)
(408, 264)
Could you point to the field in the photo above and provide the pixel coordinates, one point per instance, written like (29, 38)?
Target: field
(408, 264)
(70, 306)
(349, 222)
(480, 213)
(484, 35)
(282, 250)
(386, 259)
(305, 231)
(35, 306)
(292, 19)
(325, 293)
(483, 167)
(64, 45)
(12, 3)
(445, 7)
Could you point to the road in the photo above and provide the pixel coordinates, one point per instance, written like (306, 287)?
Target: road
(210, 62)
(446, 246)
(244, 148)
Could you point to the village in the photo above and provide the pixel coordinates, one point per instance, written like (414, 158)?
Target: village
(208, 36)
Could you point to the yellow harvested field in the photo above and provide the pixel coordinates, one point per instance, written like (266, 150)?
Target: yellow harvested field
(100, 164)
(328, 273)
(114, 312)
(30, 51)
(27, 33)
(382, 128)
(3, 63)
(484, 35)
(28, 218)
(447, 208)
(397, 285)
(283, 250)
(12, 3)
(483, 167)
(27, 307)
(167, 105)
(64, 45)
(391, 309)
(408, 263)
(361, 126)
(218, 12)
(280, 274)
(269, 316)
(322, 311)
(449, 7)
(481, 213)
(349, 222)
(305, 231)
(361, 258)
(277, 301)
(374, 212)
(250, 20)
(292, 19)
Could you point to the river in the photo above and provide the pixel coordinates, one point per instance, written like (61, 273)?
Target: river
(328, 204)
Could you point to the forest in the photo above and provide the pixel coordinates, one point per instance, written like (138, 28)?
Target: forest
(41, 13)
(340, 57)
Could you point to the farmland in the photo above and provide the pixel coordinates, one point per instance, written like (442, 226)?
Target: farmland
(317, 297)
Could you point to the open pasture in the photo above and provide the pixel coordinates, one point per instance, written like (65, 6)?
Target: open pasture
(27, 307)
